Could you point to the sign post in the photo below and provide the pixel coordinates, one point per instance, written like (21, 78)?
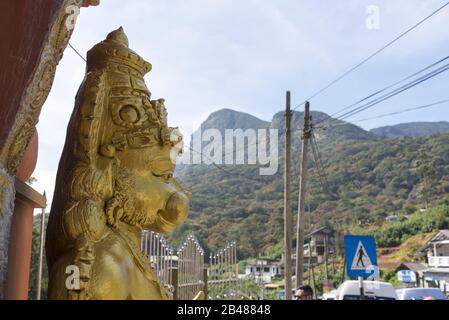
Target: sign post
(362, 293)
(361, 258)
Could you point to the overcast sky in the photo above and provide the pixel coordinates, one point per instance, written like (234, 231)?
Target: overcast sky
(244, 54)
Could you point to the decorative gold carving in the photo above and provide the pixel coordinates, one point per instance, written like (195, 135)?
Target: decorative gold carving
(115, 178)
(28, 114)
(38, 89)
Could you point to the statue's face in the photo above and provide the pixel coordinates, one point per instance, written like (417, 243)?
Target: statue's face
(145, 149)
(158, 199)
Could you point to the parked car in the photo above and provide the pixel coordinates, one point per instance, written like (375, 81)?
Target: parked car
(420, 294)
(373, 290)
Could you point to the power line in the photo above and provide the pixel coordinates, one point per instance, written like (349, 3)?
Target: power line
(321, 177)
(389, 114)
(394, 92)
(388, 95)
(392, 85)
(320, 159)
(76, 51)
(320, 167)
(373, 55)
(404, 111)
(223, 169)
(252, 144)
(384, 89)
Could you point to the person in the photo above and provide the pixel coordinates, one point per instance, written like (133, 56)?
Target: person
(361, 255)
(304, 292)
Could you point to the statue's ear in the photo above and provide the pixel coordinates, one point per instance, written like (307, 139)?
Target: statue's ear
(84, 218)
(90, 116)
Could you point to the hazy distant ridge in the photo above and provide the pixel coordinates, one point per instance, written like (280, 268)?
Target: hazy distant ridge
(412, 129)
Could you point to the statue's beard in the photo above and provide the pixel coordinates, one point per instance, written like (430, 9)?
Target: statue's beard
(125, 204)
(138, 217)
(136, 207)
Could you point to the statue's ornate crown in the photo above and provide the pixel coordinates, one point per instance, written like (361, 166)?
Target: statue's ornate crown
(115, 50)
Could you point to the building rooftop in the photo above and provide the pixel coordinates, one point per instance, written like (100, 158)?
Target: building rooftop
(413, 266)
(323, 229)
(439, 236)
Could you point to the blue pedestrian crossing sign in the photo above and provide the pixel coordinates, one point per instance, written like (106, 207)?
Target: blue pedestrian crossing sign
(361, 258)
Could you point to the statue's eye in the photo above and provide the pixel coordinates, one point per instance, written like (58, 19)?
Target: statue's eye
(144, 140)
(129, 114)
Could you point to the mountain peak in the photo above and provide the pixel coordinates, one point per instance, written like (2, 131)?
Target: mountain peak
(231, 119)
(227, 118)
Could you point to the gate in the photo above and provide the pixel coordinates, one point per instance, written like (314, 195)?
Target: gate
(160, 253)
(223, 282)
(181, 273)
(191, 273)
(184, 274)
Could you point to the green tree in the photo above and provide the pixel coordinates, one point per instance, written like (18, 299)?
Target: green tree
(426, 170)
(35, 263)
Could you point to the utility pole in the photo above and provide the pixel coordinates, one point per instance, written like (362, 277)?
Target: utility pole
(287, 202)
(326, 272)
(301, 197)
(311, 272)
(41, 253)
(309, 268)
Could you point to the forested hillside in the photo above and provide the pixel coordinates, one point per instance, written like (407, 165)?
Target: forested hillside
(369, 178)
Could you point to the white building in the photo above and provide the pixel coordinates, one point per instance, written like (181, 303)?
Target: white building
(264, 269)
(437, 254)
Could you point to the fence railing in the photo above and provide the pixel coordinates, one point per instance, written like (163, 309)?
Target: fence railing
(184, 273)
(190, 269)
(223, 281)
(161, 255)
(439, 261)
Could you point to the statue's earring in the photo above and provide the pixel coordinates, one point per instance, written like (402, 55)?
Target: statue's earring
(114, 211)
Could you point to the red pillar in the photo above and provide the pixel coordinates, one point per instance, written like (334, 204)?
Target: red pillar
(21, 232)
(20, 243)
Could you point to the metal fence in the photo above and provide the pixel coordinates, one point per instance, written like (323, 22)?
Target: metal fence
(161, 255)
(223, 281)
(191, 273)
(182, 271)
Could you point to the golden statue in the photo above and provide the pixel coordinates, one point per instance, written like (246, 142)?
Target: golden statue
(115, 178)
